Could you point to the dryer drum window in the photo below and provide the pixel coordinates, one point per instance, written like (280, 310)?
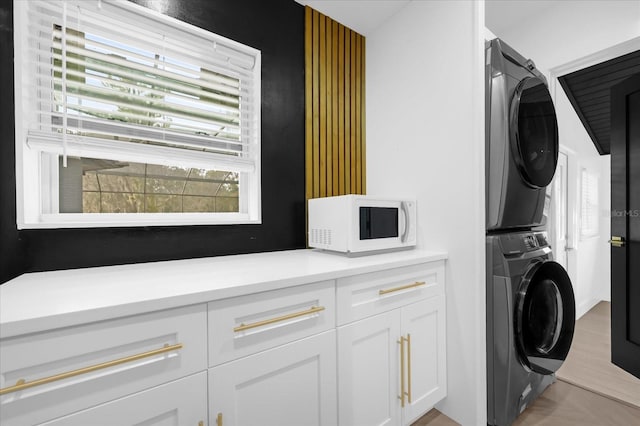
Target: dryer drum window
(543, 311)
(534, 132)
(545, 317)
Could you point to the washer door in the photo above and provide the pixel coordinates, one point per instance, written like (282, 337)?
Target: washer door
(545, 317)
(534, 132)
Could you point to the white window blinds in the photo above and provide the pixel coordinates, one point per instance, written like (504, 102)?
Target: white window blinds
(589, 225)
(117, 81)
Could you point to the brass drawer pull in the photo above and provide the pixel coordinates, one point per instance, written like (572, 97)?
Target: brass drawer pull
(311, 310)
(405, 354)
(22, 384)
(402, 356)
(403, 287)
(408, 340)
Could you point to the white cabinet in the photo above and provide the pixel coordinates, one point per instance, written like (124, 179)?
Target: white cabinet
(183, 402)
(291, 385)
(344, 345)
(273, 358)
(368, 368)
(392, 366)
(425, 356)
(240, 326)
(51, 374)
(360, 296)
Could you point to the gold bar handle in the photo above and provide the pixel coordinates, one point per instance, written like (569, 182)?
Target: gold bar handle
(312, 310)
(403, 287)
(22, 384)
(402, 392)
(219, 419)
(408, 339)
(617, 241)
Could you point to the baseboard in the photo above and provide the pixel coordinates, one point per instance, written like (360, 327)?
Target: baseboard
(585, 307)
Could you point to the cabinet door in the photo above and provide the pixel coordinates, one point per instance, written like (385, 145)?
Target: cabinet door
(183, 402)
(424, 323)
(291, 385)
(368, 371)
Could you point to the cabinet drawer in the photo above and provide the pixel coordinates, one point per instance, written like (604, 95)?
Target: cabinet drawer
(241, 326)
(75, 368)
(183, 402)
(361, 296)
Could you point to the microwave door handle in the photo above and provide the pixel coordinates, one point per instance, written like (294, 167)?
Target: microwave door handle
(407, 224)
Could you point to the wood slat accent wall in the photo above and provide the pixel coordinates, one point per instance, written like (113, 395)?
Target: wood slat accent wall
(334, 108)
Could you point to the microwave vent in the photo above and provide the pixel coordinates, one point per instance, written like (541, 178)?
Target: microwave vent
(321, 236)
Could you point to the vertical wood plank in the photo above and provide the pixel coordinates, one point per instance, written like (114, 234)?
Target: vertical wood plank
(308, 89)
(316, 105)
(341, 159)
(352, 100)
(328, 93)
(363, 115)
(335, 124)
(358, 114)
(334, 107)
(347, 111)
(323, 108)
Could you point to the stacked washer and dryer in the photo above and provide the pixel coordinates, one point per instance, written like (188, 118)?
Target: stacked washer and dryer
(530, 300)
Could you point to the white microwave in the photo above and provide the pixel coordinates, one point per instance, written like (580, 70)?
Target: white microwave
(360, 223)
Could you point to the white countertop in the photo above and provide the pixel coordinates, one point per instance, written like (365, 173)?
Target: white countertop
(44, 300)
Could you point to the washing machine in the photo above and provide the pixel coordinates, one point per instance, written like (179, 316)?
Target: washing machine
(521, 140)
(530, 321)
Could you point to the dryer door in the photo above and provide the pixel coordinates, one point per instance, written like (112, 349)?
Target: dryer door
(534, 132)
(544, 317)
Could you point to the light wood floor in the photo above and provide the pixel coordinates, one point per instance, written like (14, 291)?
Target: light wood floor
(590, 391)
(589, 362)
(562, 404)
(435, 418)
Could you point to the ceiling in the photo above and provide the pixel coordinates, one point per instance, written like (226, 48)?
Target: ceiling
(503, 15)
(365, 16)
(362, 16)
(589, 90)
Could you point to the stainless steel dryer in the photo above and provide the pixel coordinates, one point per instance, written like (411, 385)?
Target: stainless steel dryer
(530, 321)
(521, 140)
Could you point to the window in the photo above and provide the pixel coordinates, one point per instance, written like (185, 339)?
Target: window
(589, 205)
(128, 117)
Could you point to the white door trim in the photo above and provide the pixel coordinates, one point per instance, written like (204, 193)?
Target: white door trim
(612, 52)
(607, 54)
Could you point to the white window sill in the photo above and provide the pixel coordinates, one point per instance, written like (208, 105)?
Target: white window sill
(114, 220)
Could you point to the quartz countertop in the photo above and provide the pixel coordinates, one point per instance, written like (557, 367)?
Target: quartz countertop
(40, 301)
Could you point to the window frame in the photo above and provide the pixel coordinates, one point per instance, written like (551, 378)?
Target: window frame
(36, 181)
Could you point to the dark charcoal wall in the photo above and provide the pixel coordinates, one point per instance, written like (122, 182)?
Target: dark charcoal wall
(276, 27)
(12, 260)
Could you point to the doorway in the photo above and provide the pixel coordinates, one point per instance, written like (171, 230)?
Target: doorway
(559, 209)
(589, 362)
